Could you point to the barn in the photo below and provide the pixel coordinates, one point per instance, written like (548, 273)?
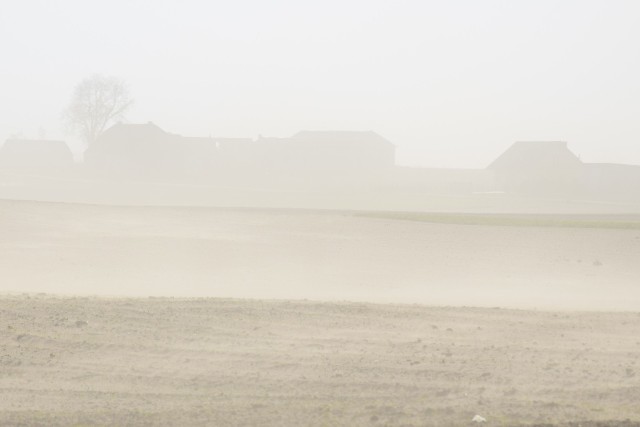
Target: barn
(539, 168)
(35, 156)
(337, 158)
(145, 151)
(613, 182)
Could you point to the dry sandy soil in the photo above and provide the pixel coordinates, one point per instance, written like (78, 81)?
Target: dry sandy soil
(194, 252)
(163, 361)
(272, 358)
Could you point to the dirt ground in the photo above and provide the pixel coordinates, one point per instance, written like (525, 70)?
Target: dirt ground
(166, 361)
(203, 316)
(320, 255)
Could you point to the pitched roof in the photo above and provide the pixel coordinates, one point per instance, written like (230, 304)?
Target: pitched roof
(536, 154)
(340, 137)
(137, 131)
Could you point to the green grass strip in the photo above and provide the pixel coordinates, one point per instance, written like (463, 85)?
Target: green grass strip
(510, 220)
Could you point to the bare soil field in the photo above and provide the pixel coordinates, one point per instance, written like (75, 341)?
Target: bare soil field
(316, 318)
(165, 361)
(320, 255)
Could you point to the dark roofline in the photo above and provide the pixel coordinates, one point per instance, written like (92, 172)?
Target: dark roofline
(541, 144)
(338, 132)
(546, 142)
(148, 124)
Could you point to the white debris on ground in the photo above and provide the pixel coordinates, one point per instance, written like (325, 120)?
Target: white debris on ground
(479, 419)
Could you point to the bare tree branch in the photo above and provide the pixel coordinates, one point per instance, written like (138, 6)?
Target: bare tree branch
(97, 102)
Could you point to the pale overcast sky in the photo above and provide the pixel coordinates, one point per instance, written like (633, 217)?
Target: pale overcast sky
(452, 83)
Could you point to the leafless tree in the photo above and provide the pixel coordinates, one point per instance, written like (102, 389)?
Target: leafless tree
(97, 101)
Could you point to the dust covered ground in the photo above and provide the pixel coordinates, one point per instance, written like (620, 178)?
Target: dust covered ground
(277, 341)
(321, 255)
(165, 361)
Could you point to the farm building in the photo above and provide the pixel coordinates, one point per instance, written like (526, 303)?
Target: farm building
(145, 151)
(332, 158)
(539, 168)
(305, 159)
(613, 182)
(35, 155)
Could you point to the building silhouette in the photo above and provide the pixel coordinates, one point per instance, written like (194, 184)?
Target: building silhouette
(538, 168)
(314, 161)
(308, 159)
(38, 156)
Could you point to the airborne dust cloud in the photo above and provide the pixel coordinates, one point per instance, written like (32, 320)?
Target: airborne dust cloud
(336, 213)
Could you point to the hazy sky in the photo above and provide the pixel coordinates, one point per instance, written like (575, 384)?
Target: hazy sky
(451, 83)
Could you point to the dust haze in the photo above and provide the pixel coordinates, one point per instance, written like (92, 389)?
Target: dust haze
(337, 213)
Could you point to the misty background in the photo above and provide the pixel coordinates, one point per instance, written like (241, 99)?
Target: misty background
(451, 84)
(320, 213)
